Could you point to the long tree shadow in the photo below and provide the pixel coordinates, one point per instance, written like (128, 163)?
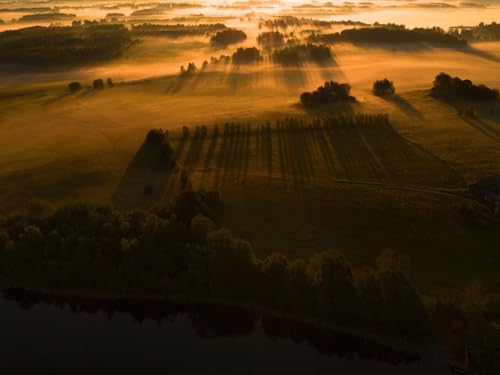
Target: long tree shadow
(194, 151)
(146, 179)
(210, 154)
(405, 162)
(404, 105)
(483, 116)
(477, 52)
(290, 77)
(483, 127)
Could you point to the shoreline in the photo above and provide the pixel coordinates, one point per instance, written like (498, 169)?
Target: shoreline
(406, 349)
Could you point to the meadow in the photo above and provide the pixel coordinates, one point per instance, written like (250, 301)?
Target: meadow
(358, 176)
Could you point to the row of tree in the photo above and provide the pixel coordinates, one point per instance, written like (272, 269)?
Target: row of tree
(181, 250)
(285, 22)
(385, 34)
(298, 54)
(176, 31)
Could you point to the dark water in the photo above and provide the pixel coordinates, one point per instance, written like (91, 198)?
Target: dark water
(42, 337)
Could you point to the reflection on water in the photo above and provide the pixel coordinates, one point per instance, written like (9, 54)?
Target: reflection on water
(47, 334)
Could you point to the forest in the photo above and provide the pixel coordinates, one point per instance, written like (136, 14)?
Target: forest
(40, 45)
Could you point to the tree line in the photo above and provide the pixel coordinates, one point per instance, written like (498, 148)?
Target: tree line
(298, 54)
(226, 37)
(385, 34)
(182, 249)
(63, 45)
(176, 31)
(448, 87)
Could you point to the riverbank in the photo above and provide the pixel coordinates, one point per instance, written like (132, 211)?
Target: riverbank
(396, 350)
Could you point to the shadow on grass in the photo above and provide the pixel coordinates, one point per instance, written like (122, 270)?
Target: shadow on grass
(146, 179)
(476, 52)
(483, 116)
(344, 107)
(403, 104)
(482, 126)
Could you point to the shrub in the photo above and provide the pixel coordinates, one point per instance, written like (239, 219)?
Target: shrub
(98, 84)
(74, 86)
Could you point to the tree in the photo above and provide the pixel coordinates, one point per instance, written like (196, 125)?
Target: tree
(273, 279)
(383, 87)
(338, 299)
(403, 309)
(330, 92)
(201, 226)
(232, 265)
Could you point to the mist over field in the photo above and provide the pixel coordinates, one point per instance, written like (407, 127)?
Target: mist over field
(311, 186)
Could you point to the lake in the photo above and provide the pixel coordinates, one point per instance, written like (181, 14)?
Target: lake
(41, 336)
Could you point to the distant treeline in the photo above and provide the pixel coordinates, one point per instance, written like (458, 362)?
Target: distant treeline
(292, 22)
(480, 32)
(242, 56)
(162, 8)
(63, 45)
(29, 9)
(46, 17)
(448, 87)
(381, 35)
(176, 31)
(226, 37)
(297, 55)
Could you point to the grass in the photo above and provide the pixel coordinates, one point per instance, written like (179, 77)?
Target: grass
(358, 190)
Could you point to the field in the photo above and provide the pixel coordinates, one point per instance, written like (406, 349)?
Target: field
(291, 187)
